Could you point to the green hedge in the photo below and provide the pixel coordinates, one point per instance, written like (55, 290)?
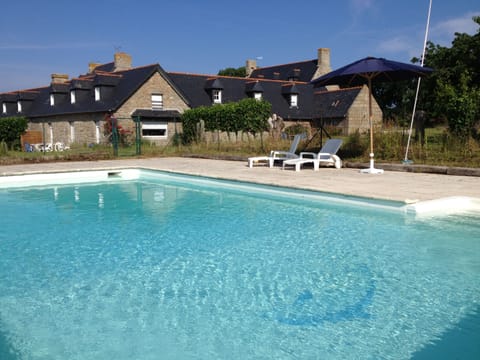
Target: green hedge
(247, 115)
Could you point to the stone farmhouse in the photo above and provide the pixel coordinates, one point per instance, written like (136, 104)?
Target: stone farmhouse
(74, 110)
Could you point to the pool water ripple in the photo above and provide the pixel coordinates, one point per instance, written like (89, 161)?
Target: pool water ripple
(153, 268)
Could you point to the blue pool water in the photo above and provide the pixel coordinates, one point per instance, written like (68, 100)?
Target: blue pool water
(162, 267)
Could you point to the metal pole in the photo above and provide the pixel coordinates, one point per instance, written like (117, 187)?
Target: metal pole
(418, 84)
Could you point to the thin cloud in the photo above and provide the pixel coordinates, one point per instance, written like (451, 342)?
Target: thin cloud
(41, 47)
(361, 5)
(395, 45)
(444, 31)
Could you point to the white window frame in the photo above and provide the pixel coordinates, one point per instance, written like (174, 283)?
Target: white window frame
(97, 132)
(217, 96)
(4, 108)
(257, 95)
(97, 93)
(158, 125)
(73, 98)
(19, 106)
(157, 101)
(72, 131)
(52, 100)
(50, 130)
(293, 100)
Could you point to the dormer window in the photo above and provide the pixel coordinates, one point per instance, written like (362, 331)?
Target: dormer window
(290, 92)
(217, 96)
(19, 106)
(52, 99)
(157, 101)
(254, 90)
(73, 99)
(293, 100)
(97, 93)
(214, 88)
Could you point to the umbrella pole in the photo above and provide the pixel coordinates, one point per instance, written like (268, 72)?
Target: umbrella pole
(371, 169)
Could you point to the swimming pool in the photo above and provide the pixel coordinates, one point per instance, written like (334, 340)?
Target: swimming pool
(149, 265)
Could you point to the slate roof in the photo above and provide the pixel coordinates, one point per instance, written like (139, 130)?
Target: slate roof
(334, 104)
(119, 87)
(196, 89)
(299, 71)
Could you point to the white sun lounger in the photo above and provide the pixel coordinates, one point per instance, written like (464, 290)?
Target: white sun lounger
(326, 156)
(278, 154)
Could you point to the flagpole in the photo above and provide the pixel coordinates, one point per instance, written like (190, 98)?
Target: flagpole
(406, 161)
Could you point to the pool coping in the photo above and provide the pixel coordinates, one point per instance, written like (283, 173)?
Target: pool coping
(440, 206)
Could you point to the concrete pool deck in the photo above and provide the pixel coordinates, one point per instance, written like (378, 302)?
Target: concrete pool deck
(391, 185)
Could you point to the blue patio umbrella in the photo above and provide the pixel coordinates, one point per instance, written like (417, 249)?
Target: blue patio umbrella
(365, 71)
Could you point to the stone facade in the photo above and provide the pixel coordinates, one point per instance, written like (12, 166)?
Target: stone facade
(357, 117)
(142, 100)
(71, 129)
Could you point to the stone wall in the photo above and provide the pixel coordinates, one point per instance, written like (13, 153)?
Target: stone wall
(84, 128)
(357, 117)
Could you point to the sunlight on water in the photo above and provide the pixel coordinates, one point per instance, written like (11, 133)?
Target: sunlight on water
(165, 268)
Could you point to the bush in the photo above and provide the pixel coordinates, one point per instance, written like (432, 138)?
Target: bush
(355, 145)
(296, 129)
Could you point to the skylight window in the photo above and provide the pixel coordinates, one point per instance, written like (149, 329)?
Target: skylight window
(73, 98)
(52, 100)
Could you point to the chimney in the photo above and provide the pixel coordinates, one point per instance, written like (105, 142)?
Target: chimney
(123, 61)
(59, 78)
(250, 66)
(323, 64)
(92, 66)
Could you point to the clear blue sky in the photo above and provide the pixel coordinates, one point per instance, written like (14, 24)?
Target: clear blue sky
(38, 38)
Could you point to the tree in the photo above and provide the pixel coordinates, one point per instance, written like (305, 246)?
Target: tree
(11, 128)
(238, 72)
(453, 90)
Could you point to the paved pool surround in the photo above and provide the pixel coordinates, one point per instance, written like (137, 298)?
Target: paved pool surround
(391, 185)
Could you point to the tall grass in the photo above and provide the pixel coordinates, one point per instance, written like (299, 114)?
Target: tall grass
(439, 148)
